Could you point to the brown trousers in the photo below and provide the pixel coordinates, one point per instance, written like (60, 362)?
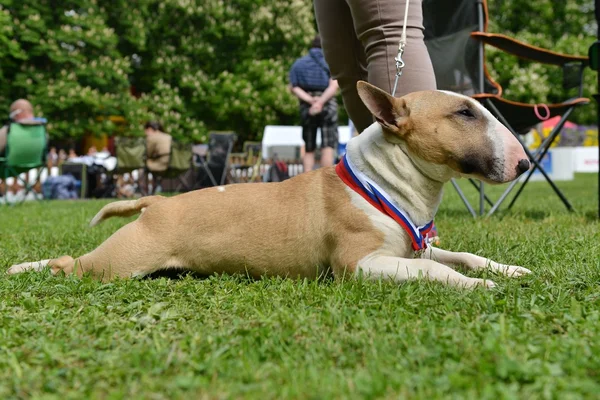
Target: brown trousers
(360, 41)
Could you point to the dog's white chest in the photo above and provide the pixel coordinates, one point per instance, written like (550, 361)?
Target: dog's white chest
(396, 242)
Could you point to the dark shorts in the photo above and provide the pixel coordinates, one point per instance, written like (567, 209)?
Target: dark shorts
(327, 120)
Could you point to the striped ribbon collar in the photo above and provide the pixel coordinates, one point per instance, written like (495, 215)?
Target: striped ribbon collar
(379, 199)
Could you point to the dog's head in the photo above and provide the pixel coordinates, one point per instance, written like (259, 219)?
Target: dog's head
(450, 130)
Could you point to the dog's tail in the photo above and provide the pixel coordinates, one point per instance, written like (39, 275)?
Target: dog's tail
(125, 208)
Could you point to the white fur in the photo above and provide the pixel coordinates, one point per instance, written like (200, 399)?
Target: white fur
(396, 240)
(415, 186)
(472, 261)
(506, 147)
(397, 174)
(28, 266)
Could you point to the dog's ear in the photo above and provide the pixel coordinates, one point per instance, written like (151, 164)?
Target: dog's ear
(392, 113)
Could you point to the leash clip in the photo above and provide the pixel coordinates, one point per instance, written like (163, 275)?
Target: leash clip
(399, 65)
(399, 61)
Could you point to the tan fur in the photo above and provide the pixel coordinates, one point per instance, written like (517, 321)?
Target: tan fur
(124, 208)
(449, 137)
(308, 220)
(313, 223)
(451, 140)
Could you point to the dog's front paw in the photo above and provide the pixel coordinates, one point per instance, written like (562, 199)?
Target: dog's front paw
(512, 271)
(17, 269)
(27, 266)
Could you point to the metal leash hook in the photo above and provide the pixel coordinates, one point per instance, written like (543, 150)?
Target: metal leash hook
(399, 66)
(399, 61)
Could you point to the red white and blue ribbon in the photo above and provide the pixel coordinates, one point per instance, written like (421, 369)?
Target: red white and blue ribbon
(377, 197)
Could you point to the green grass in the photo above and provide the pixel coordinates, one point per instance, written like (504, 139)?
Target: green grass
(228, 337)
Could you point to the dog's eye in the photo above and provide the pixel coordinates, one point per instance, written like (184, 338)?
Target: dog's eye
(466, 113)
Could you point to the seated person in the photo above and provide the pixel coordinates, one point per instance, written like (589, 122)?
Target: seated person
(21, 111)
(158, 147)
(52, 157)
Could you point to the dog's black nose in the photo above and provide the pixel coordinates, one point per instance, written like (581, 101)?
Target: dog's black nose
(523, 166)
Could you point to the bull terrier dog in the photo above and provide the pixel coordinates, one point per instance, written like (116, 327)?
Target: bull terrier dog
(368, 215)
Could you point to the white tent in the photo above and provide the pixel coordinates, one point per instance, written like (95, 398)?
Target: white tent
(290, 138)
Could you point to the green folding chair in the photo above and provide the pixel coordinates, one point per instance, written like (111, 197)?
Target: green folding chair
(180, 166)
(131, 153)
(131, 156)
(25, 150)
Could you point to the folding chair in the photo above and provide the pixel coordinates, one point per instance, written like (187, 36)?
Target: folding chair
(25, 150)
(180, 163)
(216, 168)
(131, 153)
(245, 167)
(455, 35)
(79, 171)
(131, 156)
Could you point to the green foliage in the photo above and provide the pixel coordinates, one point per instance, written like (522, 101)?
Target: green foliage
(561, 26)
(229, 60)
(67, 64)
(198, 65)
(214, 65)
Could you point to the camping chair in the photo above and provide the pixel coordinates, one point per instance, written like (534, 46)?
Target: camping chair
(180, 163)
(131, 155)
(79, 171)
(245, 167)
(25, 150)
(216, 168)
(199, 154)
(455, 35)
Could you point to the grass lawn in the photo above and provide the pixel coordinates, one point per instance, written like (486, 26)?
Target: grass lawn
(228, 337)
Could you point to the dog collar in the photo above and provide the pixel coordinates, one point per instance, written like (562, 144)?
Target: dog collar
(377, 197)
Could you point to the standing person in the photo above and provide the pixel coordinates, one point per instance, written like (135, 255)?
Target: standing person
(311, 82)
(360, 41)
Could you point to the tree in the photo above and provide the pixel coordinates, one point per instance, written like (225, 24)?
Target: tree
(195, 65)
(214, 65)
(228, 60)
(64, 58)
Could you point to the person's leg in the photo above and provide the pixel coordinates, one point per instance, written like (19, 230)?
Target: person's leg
(378, 26)
(309, 135)
(344, 54)
(143, 181)
(308, 161)
(327, 156)
(329, 133)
